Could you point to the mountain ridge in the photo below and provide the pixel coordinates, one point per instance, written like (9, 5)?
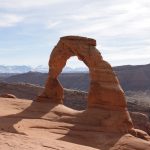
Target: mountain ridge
(132, 78)
(44, 69)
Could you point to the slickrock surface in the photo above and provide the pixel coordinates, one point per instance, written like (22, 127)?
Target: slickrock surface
(78, 100)
(32, 125)
(47, 124)
(105, 92)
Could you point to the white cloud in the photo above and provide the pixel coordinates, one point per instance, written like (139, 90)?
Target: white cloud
(125, 18)
(121, 27)
(128, 55)
(20, 4)
(8, 20)
(52, 24)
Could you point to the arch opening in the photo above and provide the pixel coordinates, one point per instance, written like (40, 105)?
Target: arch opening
(75, 81)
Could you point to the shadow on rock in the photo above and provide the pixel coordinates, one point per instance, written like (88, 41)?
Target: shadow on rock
(35, 111)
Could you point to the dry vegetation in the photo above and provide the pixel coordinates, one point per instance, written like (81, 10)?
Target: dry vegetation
(139, 97)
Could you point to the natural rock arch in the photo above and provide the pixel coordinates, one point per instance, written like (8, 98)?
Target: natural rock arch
(104, 91)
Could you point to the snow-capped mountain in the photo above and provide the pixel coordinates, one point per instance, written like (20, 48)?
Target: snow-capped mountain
(14, 69)
(40, 68)
(43, 69)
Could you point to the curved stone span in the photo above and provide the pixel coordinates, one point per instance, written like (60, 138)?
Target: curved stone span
(105, 93)
(104, 90)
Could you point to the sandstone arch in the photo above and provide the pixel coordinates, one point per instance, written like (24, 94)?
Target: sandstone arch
(105, 93)
(105, 90)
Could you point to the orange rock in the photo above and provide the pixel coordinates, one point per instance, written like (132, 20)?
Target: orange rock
(7, 95)
(105, 91)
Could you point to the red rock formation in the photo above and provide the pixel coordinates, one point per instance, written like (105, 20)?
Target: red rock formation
(105, 92)
(141, 121)
(5, 95)
(28, 125)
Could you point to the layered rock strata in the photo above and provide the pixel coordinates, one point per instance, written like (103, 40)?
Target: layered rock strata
(105, 92)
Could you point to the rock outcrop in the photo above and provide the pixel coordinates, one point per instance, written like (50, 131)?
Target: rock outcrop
(78, 100)
(105, 92)
(6, 95)
(29, 125)
(141, 121)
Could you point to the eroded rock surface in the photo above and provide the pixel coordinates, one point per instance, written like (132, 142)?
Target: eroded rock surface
(6, 95)
(105, 92)
(141, 121)
(28, 125)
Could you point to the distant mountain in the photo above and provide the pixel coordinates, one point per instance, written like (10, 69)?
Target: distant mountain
(6, 75)
(43, 69)
(35, 78)
(132, 78)
(78, 69)
(22, 69)
(67, 79)
(14, 69)
(40, 68)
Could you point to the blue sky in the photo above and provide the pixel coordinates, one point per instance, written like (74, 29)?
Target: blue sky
(30, 29)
